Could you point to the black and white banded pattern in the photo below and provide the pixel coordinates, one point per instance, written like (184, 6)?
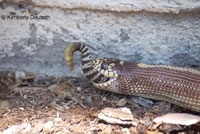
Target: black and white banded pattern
(87, 66)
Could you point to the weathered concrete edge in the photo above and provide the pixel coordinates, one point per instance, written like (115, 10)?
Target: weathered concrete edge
(173, 6)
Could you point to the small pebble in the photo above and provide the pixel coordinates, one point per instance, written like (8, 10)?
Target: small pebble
(104, 99)
(79, 89)
(146, 121)
(66, 90)
(142, 101)
(57, 121)
(40, 80)
(19, 74)
(125, 131)
(52, 88)
(47, 126)
(82, 97)
(21, 108)
(25, 96)
(89, 100)
(121, 102)
(4, 105)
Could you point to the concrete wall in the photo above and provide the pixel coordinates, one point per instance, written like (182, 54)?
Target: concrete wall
(154, 32)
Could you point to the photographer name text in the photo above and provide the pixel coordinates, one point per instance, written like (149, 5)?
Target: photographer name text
(25, 17)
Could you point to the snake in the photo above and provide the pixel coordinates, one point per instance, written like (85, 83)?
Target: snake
(177, 85)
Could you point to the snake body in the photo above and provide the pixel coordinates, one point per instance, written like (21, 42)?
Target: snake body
(177, 85)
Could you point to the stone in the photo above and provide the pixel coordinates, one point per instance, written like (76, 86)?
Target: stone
(121, 102)
(47, 126)
(4, 104)
(19, 74)
(40, 80)
(142, 101)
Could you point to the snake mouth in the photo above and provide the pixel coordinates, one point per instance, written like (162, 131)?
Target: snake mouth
(106, 83)
(110, 77)
(106, 70)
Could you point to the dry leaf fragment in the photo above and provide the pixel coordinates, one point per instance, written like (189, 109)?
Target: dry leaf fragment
(117, 116)
(178, 118)
(23, 128)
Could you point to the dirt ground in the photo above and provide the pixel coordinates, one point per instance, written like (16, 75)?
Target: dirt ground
(39, 104)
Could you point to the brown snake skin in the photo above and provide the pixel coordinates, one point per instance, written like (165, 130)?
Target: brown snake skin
(177, 85)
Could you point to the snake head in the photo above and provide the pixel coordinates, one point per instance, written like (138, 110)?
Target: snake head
(109, 68)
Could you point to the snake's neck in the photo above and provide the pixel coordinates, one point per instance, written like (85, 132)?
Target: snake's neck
(87, 66)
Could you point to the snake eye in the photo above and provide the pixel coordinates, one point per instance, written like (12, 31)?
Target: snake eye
(104, 66)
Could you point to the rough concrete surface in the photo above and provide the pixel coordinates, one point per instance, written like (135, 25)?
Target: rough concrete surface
(37, 45)
(158, 6)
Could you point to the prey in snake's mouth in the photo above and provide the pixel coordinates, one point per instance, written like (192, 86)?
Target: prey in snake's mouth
(105, 67)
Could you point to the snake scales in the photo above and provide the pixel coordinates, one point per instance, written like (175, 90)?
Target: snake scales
(177, 85)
